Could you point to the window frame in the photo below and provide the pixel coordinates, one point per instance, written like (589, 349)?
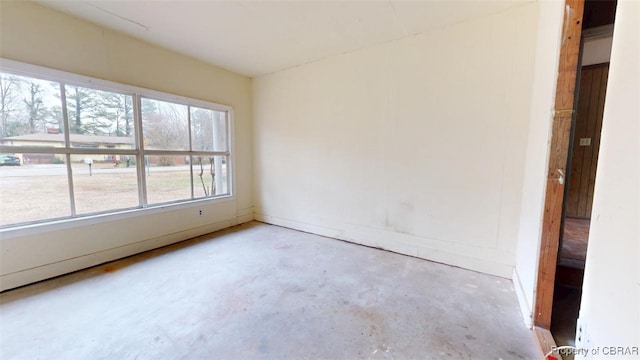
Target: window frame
(137, 93)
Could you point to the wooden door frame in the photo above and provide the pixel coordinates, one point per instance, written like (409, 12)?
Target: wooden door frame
(563, 115)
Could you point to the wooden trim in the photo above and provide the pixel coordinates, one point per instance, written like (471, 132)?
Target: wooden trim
(558, 155)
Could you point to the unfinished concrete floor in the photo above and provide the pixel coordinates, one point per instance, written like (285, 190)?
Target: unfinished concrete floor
(266, 292)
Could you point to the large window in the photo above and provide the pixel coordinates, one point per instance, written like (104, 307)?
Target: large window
(75, 146)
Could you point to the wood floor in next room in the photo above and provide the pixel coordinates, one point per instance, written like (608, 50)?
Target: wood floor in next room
(258, 291)
(574, 242)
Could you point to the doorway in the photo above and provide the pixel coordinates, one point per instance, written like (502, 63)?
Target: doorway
(582, 167)
(564, 265)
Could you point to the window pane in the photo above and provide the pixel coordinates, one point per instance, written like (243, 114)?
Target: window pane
(165, 125)
(168, 178)
(208, 130)
(104, 182)
(99, 119)
(210, 176)
(37, 189)
(30, 112)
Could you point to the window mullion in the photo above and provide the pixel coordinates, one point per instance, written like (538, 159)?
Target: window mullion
(190, 149)
(140, 154)
(231, 179)
(67, 146)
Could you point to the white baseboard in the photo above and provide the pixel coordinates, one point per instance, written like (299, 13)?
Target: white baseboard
(28, 276)
(525, 307)
(395, 242)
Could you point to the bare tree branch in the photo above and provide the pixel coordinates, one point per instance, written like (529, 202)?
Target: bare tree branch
(206, 191)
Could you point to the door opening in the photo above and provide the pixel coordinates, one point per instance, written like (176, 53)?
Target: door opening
(574, 155)
(578, 198)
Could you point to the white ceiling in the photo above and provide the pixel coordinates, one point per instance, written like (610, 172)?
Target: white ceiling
(260, 37)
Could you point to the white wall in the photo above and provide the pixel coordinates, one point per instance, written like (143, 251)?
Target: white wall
(41, 36)
(610, 309)
(537, 153)
(416, 146)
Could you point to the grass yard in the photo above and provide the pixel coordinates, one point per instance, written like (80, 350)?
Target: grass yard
(36, 192)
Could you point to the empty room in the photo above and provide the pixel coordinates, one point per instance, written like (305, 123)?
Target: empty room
(317, 179)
